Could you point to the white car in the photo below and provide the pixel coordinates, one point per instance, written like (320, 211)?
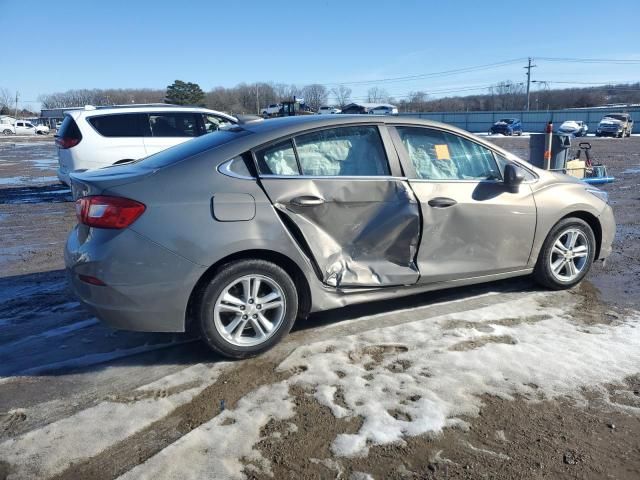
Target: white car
(272, 109)
(42, 129)
(384, 110)
(23, 127)
(97, 137)
(574, 127)
(328, 110)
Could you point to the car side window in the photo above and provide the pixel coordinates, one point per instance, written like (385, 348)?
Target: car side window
(124, 125)
(213, 123)
(278, 159)
(438, 155)
(343, 151)
(173, 124)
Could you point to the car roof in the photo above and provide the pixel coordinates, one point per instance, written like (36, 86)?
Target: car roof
(284, 126)
(89, 111)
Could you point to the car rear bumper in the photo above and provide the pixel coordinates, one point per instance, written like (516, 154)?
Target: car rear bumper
(63, 176)
(146, 287)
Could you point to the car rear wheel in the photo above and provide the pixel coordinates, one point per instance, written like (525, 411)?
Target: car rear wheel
(248, 307)
(7, 132)
(567, 254)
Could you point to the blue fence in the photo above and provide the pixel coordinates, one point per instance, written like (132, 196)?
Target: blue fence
(532, 121)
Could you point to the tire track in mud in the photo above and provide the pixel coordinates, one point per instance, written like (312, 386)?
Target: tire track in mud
(230, 387)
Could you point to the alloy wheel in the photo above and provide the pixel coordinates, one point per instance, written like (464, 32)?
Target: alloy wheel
(249, 310)
(569, 255)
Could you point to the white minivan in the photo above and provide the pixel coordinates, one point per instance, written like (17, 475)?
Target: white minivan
(96, 137)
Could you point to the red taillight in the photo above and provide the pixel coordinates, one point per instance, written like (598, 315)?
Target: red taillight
(92, 280)
(67, 142)
(108, 212)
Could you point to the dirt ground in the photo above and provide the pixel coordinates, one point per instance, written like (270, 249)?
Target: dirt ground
(57, 362)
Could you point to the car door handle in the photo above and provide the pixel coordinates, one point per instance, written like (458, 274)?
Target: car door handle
(441, 202)
(307, 201)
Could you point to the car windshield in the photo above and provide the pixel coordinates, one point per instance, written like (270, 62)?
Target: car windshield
(507, 120)
(192, 147)
(616, 117)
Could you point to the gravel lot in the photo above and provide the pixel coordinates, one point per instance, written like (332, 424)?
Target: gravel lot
(500, 381)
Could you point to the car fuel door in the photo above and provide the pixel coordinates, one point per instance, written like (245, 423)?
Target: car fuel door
(334, 192)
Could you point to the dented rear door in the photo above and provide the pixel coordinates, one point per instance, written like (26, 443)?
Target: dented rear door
(336, 192)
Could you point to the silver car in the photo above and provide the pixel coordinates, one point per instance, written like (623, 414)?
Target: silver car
(239, 233)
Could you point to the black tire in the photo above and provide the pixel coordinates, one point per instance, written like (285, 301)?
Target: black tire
(227, 275)
(543, 273)
(7, 132)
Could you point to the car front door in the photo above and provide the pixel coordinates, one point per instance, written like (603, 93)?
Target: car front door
(339, 193)
(472, 225)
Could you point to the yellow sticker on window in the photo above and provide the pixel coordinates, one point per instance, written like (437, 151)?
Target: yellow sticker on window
(442, 152)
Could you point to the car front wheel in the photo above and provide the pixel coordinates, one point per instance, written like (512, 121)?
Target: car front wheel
(248, 307)
(567, 254)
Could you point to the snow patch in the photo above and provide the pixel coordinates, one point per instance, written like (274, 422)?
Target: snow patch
(215, 449)
(413, 378)
(49, 450)
(426, 386)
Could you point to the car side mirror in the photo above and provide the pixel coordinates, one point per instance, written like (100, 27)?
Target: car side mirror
(513, 177)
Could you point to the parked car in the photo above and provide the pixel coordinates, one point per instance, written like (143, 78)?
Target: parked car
(98, 137)
(7, 129)
(22, 127)
(42, 129)
(272, 109)
(240, 232)
(574, 127)
(384, 110)
(615, 125)
(506, 126)
(324, 110)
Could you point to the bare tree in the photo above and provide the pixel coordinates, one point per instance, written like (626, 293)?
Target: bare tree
(315, 95)
(6, 101)
(6, 98)
(342, 95)
(377, 94)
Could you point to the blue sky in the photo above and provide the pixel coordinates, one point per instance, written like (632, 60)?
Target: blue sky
(85, 44)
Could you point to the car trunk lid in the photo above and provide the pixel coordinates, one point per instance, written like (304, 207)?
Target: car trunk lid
(95, 182)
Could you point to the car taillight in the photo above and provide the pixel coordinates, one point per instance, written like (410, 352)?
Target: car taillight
(67, 142)
(102, 211)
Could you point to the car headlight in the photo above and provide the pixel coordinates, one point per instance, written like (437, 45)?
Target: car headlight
(601, 194)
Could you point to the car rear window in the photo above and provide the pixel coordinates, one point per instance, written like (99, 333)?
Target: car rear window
(193, 147)
(69, 129)
(120, 125)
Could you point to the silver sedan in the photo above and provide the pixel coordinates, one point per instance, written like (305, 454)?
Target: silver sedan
(240, 232)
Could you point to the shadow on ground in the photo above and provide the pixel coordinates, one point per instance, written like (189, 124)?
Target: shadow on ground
(44, 330)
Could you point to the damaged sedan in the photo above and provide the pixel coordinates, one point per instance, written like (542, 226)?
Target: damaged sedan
(240, 232)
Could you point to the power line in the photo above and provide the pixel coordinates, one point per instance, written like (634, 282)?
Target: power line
(444, 73)
(590, 60)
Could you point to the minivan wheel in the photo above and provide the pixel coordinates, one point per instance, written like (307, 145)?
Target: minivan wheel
(567, 254)
(248, 307)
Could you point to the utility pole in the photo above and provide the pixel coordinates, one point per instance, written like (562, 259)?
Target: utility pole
(528, 68)
(17, 95)
(257, 100)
